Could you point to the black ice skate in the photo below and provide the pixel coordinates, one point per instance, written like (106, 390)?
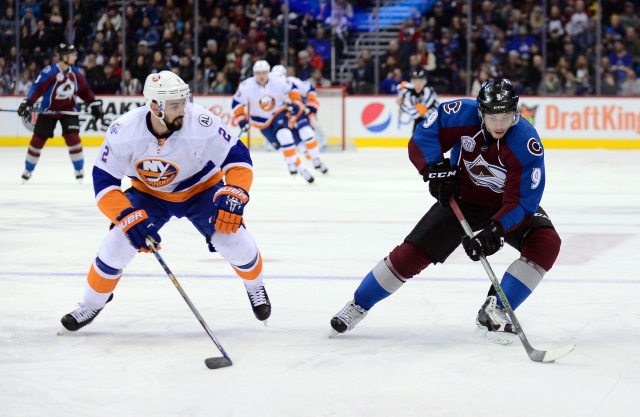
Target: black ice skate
(305, 174)
(319, 165)
(259, 302)
(26, 175)
(81, 316)
(347, 318)
(493, 323)
(79, 175)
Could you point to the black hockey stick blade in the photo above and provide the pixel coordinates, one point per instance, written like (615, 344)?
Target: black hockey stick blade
(215, 363)
(545, 356)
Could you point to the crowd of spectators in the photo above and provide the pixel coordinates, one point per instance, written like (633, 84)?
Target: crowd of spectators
(506, 40)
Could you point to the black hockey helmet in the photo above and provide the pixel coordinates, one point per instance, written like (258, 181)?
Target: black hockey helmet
(65, 49)
(419, 74)
(497, 96)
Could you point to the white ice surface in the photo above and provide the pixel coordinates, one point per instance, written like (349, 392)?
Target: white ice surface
(414, 354)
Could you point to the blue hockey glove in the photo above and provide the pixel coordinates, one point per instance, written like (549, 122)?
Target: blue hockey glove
(228, 207)
(487, 242)
(25, 108)
(443, 181)
(136, 226)
(244, 126)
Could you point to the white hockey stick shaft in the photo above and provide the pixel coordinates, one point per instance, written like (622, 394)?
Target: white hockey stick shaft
(534, 354)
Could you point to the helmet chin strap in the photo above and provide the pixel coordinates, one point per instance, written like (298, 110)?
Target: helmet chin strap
(161, 117)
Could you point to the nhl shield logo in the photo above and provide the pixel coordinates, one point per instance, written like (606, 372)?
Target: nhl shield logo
(468, 143)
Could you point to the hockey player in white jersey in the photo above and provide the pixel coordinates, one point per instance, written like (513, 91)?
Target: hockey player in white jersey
(416, 99)
(303, 129)
(264, 97)
(183, 161)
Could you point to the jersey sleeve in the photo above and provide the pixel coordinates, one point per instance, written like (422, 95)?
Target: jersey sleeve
(84, 91)
(424, 146)
(108, 171)
(42, 83)
(238, 104)
(525, 179)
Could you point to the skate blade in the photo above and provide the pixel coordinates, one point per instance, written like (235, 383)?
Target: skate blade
(63, 331)
(265, 323)
(333, 333)
(499, 338)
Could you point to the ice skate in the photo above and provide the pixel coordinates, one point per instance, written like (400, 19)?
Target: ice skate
(259, 302)
(293, 170)
(80, 317)
(320, 166)
(305, 174)
(26, 175)
(79, 175)
(493, 323)
(347, 318)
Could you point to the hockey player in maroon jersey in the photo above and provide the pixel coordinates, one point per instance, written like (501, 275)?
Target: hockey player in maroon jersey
(58, 86)
(496, 173)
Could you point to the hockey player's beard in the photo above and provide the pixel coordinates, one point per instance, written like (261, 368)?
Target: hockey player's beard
(175, 125)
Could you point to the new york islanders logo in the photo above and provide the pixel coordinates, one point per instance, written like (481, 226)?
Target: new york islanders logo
(267, 103)
(156, 173)
(375, 118)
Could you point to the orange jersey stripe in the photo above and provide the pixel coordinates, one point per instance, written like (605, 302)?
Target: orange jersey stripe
(240, 176)
(179, 196)
(101, 284)
(252, 273)
(112, 204)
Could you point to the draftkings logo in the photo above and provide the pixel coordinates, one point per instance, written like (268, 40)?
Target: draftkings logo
(529, 113)
(156, 173)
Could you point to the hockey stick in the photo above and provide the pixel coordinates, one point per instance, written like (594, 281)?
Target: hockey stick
(70, 113)
(212, 363)
(534, 354)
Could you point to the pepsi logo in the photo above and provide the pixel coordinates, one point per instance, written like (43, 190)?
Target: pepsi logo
(375, 118)
(156, 173)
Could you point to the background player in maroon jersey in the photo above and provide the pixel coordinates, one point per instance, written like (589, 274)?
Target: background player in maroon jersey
(58, 86)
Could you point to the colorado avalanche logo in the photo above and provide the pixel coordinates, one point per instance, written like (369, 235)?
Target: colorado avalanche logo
(156, 173)
(453, 107)
(375, 118)
(534, 147)
(267, 103)
(486, 175)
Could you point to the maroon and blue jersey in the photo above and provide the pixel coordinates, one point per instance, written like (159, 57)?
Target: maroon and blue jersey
(507, 173)
(59, 88)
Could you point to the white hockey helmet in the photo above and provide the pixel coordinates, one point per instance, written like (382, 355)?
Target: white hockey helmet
(164, 86)
(279, 70)
(261, 66)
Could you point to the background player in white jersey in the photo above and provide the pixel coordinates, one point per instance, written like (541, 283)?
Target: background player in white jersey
(176, 154)
(416, 99)
(303, 129)
(265, 97)
(58, 86)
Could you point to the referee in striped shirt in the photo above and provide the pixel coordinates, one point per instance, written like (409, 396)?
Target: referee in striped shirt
(416, 99)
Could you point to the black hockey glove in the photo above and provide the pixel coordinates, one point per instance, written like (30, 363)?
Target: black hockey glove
(25, 108)
(443, 181)
(487, 242)
(137, 227)
(95, 107)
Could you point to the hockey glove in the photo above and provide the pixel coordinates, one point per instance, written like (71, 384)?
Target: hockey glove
(487, 242)
(228, 206)
(244, 126)
(95, 107)
(25, 108)
(136, 226)
(443, 181)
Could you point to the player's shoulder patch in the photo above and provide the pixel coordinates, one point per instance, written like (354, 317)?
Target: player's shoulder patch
(452, 107)
(534, 147)
(47, 69)
(205, 120)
